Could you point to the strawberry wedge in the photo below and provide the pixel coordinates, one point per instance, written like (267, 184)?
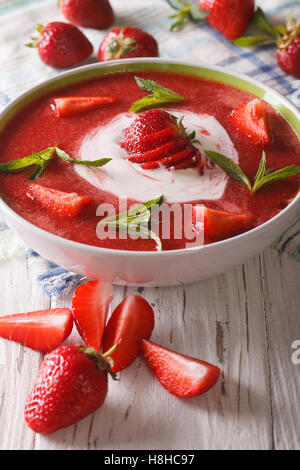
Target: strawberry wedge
(130, 322)
(218, 225)
(56, 202)
(252, 120)
(73, 105)
(43, 330)
(90, 306)
(181, 375)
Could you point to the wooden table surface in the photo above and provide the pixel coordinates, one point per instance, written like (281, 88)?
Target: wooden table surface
(245, 321)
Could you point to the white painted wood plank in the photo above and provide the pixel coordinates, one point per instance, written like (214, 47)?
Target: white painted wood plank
(281, 290)
(226, 320)
(19, 293)
(209, 320)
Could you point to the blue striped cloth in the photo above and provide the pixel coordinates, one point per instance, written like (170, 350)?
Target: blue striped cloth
(21, 68)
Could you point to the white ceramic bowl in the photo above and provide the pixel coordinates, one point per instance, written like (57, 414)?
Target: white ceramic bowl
(153, 268)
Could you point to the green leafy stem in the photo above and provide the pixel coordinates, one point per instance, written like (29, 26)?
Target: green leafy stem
(136, 220)
(42, 159)
(158, 96)
(263, 176)
(275, 34)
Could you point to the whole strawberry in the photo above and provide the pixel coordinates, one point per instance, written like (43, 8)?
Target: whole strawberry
(72, 383)
(61, 44)
(288, 49)
(286, 40)
(125, 42)
(96, 14)
(230, 17)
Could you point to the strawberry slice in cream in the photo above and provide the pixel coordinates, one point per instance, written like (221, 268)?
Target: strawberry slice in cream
(128, 180)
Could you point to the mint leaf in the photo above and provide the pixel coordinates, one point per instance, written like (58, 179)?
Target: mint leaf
(278, 175)
(263, 176)
(137, 219)
(261, 168)
(158, 95)
(41, 160)
(64, 156)
(230, 167)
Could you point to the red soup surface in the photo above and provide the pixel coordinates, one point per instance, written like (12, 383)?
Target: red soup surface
(37, 127)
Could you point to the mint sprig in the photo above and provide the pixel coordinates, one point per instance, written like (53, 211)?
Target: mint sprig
(230, 167)
(158, 95)
(64, 156)
(41, 160)
(263, 176)
(137, 219)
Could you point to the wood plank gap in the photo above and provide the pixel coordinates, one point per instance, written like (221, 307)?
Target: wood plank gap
(267, 336)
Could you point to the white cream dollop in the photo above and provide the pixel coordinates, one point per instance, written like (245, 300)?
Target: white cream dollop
(129, 180)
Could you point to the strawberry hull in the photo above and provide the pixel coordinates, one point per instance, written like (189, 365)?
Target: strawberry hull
(37, 127)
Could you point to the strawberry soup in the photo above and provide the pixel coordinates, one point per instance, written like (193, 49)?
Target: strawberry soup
(207, 149)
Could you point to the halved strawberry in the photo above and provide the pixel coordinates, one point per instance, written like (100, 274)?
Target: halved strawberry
(252, 120)
(42, 330)
(219, 225)
(90, 306)
(73, 105)
(57, 202)
(181, 375)
(131, 321)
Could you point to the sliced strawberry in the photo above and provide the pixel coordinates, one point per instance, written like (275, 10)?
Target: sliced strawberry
(56, 202)
(187, 158)
(219, 225)
(149, 142)
(252, 120)
(43, 330)
(158, 139)
(164, 151)
(90, 306)
(130, 322)
(73, 105)
(176, 157)
(181, 375)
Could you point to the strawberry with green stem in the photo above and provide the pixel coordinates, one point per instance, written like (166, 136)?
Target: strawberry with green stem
(157, 138)
(61, 44)
(72, 383)
(286, 39)
(229, 17)
(125, 42)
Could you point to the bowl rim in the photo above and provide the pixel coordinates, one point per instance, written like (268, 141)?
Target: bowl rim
(91, 249)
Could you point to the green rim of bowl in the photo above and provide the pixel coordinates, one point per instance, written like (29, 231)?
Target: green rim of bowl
(209, 73)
